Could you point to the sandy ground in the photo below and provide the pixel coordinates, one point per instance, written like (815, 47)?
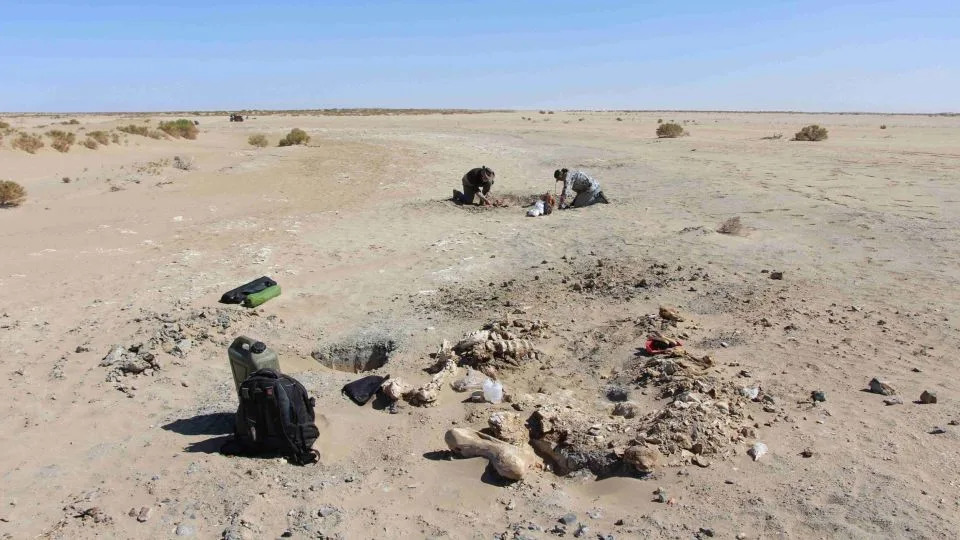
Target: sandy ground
(357, 229)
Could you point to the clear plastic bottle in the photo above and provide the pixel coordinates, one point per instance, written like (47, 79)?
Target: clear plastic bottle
(492, 391)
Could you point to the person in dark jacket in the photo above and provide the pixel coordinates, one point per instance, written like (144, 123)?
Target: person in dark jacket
(476, 183)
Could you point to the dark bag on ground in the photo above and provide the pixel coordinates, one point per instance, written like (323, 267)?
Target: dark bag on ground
(275, 417)
(361, 390)
(238, 295)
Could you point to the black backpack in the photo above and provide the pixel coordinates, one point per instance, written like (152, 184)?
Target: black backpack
(275, 417)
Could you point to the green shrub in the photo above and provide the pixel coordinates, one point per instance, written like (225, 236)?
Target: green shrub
(101, 137)
(134, 130)
(813, 132)
(296, 136)
(62, 140)
(670, 131)
(11, 193)
(180, 128)
(28, 143)
(259, 140)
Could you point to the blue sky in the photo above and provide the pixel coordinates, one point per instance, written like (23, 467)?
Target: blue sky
(807, 55)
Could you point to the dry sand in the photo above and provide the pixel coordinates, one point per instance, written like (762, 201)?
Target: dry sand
(356, 228)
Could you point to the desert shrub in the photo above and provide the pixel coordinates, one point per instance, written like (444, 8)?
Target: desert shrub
(90, 143)
(549, 112)
(115, 138)
(659, 120)
(28, 143)
(66, 180)
(101, 137)
(4, 125)
(62, 140)
(11, 193)
(180, 128)
(619, 119)
(296, 136)
(813, 132)
(883, 126)
(731, 226)
(184, 164)
(670, 131)
(134, 130)
(71, 122)
(774, 137)
(259, 140)
(154, 134)
(543, 112)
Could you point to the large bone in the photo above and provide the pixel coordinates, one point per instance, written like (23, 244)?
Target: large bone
(510, 461)
(427, 394)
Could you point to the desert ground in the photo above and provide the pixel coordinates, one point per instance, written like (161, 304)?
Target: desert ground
(358, 229)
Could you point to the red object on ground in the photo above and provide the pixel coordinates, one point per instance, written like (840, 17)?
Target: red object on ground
(653, 349)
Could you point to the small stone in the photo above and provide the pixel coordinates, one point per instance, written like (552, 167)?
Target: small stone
(741, 536)
(287, 534)
(144, 514)
(807, 453)
(660, 495)
(184, 384)
(881, 387)
(776, 275)
(928, 397)
(670, 314)
(618, 523)
(326, 510)
(953, 423)
(569, 519)
(81, 349)
(511, 505)
(818, 395)
(581, 530)
(706, 532)
(700, 461)
(643, 458)
(184, 530)
(938, 431)
(626, 409)
(895, 400)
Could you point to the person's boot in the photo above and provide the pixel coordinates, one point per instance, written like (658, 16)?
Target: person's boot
(602, 198)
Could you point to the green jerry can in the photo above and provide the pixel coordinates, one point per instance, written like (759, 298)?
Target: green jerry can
(248, 355)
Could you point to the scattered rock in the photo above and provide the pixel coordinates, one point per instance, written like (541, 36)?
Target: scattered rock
(184, 530)
(326, 510)
(660, 495)
(757, 451)
(776, 275)
(700, 461)
(581, 530)
(818, 395)
(670, 314)
(928, 397)
(895, 400)
(144, 514)
(81, 349)
(706, 532)
(626, 409)
(881, 387)
(642, 458)
(807, 453)
(618, 394)
(568, 519)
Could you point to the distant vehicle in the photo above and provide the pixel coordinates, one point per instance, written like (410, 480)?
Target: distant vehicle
(236, 118)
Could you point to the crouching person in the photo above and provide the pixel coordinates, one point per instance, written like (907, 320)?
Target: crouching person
(476, 183)
(587, 189)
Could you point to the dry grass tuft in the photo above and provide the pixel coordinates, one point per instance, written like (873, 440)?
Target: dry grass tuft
(4, 125)
(258, 139)
(11, 194)
(180, 128)
(296, 136)
(774, 137)
(731, 226)
(670, 131)
(71, 122)
(184, 164)
(101, 137)
(813, 132)
(28, 143)
(62, 140)
(90, 143)
(66, 180)
(883, 126)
